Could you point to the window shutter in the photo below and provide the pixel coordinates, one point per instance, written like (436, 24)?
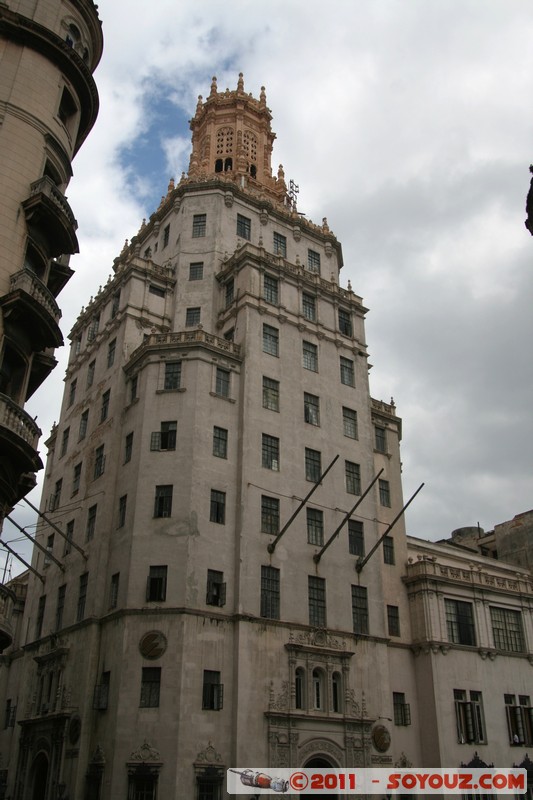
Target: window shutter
(222, 594)
(469, 716)
(219, 696)
(155, 441)
(519, 723)
(148, 588)
(406, 714)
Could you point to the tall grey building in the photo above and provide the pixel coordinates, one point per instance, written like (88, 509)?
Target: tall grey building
(192, 610)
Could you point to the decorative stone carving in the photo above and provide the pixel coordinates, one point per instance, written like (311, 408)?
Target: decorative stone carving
(145, 753)
(279, 702)
(403, 762)
(209, 755)
(314, 747)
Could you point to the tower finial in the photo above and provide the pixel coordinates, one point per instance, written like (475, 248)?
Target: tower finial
(199, 103)
(262, 96)
(213, 86)
(240, 83)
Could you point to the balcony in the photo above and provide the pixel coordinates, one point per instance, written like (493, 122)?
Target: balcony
(197, 337)
(50, 218)
(32, 307)
(7, 600)
(19, 436)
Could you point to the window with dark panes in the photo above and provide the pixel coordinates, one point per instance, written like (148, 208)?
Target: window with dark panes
(507, 629)
(156, 584)
(347, 371)
(122, 505)
(220, 442)
(311, 409)
(380, 439)
(192, 317)
(216, 588)
(349, 422)
(270, 340)
(60, 606)
(356, 538)
(270, 394)
(345, 322)
(280, 244)
(460, 622)
(269, 514)
(166, 235)
(150, 687)
(271, 289)
(199, 225)
(82, 596)
(104, 411)
(317, 601)
(84, 421)
(384, 493)
(230, 292)
(315, 526)
(313, 261)
(388, 550)
(163, 501)
(244, 227)
(91, 522)
(401, 709)
(76, 479)
(111, 352)
(313, 464)
(270, 593)
(222, 382)
(213, 691)
(218, 507)
(360, 609)
(196, 271)
(393, 620)
(270, 452)
(353, 477)
(310, 356)
(99, 461)
(309, 306)
(128, 447)
(172, 375)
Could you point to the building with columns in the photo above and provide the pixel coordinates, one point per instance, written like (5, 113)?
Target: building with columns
(217, 584)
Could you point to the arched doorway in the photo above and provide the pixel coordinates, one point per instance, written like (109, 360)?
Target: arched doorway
(39, 779)
(319, 762)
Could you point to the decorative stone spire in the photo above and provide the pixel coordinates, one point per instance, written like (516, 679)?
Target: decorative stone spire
(232, 141)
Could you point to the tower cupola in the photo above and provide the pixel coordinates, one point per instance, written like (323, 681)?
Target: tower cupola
(232, 140)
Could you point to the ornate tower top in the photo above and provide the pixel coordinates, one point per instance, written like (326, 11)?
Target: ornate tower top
(232, 140)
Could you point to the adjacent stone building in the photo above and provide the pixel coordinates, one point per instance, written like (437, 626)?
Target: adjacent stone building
(48, 105)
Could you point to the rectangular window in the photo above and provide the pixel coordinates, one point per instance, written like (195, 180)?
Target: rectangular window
(270, 452)
(115, 304)
(55, 498)
(352, 473)
(82, 596)
(72, 392)
(244, 227)
(100, 703)
(60, 607)
(113, 592)
(40, 616)
(213, 691)
(388, 550)
(192, 317)
(315, 526)
(347, 371)
(380, 439)
(311, 409)
(356, 538)
(99, 461)
(70, 536)
(270, 340)
(313, 464)
(164, 439)
(222, 382)
(150, 693)
(198, 225)
(157, 290)
(166, 236)
(270, 592)
(216, 588)
(360, 609)
(163, 501)
(345, 322)
(349, 422)
(76, 479)
(49, 549)
(218, 507)
(196, 271)
(122, 504)
(84, 422)
(280, 244)
(460, 622)
(105, 405)
(402, 710)
(313, 261)
(207, 788)
(310, 356)
(519, 719)
(64, 442)
(230, 292)
(156, 584)
(271, 289)
(92, 330)
(111, 352)
(270, 394)
(90, 373)
(384, 493)
(393, 620)
(269, 514)
(128, 447)
(91, 522)
(172, 375)
(134, 382)
(469, 717)
(316, 588)
(507, 629)
(309, 306)
(220, 442)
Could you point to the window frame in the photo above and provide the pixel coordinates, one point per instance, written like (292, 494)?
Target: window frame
(315, 526)
(270, 452)
(270, 592)
(220, 442)
(316, 594)
(244, 227)
(347, 371)
(217, 508)
(199, 226)
(360, 610)
(270, 340)
(313, 464)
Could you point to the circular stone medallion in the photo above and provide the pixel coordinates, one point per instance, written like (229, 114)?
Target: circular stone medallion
(153, 644)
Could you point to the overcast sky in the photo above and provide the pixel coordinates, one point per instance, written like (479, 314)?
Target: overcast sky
(409, 125)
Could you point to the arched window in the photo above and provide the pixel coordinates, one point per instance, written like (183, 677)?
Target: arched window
(224, 141)
(299, 685)
(219, 164)
(318, 689)
(336, 691)
(253, 171)
(228, 165)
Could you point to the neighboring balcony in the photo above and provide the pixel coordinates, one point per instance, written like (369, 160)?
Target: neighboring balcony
(19, 460)
(31, 306)
(7, 600)
(50, 218)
